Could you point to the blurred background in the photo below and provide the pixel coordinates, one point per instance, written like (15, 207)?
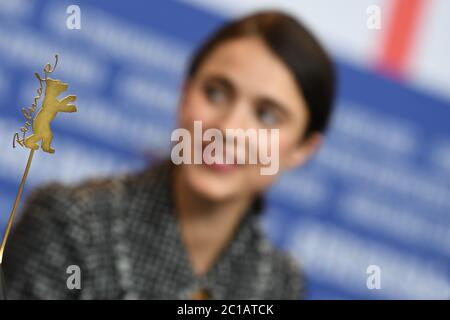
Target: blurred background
(378, 193)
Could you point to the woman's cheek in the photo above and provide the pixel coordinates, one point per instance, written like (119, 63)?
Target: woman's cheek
(285, 147)
(189, 109)
(197, 108)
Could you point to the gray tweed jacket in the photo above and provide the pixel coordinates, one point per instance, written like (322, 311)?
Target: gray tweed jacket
(123, 235)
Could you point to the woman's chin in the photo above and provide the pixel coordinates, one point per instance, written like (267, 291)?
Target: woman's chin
(210, 184)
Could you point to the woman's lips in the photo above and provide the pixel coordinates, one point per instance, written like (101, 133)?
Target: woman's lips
(219, 167)
(222, 167)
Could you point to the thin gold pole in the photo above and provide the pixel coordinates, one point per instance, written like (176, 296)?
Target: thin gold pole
(16, 204)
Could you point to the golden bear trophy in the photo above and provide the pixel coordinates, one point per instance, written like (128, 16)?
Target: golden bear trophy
(40, 123)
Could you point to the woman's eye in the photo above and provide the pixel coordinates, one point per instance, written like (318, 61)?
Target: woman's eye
(267, 117)
(215, 94)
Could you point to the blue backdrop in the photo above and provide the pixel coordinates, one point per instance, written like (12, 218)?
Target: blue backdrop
(378, 193)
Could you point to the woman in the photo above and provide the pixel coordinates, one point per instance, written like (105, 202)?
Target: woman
(188, 231)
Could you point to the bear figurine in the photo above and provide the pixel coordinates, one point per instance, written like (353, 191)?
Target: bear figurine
(50, 107)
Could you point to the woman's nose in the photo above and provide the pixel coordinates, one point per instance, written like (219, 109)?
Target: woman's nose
(236, 117)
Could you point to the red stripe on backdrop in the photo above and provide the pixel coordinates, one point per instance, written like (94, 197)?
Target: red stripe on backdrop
(400, 35)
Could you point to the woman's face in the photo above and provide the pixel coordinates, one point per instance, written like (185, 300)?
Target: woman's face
(243, 85)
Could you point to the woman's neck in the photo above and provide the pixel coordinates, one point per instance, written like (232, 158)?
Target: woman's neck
(206, 226)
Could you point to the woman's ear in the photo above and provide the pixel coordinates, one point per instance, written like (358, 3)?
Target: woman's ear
(305, 150)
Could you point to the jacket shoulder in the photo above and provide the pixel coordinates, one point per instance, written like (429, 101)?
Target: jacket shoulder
(89, 196)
